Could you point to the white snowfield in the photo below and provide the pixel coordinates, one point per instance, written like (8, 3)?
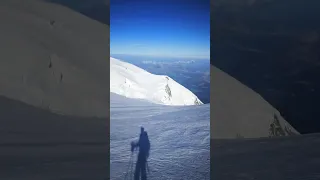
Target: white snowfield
(179, 137)
(133, 82)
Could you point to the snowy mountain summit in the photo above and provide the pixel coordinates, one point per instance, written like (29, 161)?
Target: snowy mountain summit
(133, 82)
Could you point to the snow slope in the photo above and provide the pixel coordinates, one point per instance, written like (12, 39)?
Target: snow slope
(53, 58)
(239, 112)
(37, 144)
(283, 158)
(179, 136)
(133, 82)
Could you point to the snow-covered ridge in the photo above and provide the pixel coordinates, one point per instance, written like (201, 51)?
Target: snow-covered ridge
(133, 82)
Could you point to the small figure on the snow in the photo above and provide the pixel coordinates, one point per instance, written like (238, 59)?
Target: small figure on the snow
(144, 146)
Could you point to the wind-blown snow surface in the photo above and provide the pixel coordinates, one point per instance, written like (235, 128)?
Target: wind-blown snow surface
(179, 136)
(133, 82)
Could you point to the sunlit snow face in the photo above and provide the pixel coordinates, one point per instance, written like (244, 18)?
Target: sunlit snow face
(133, 82)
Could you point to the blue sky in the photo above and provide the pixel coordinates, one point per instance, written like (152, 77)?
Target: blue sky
(168, 28)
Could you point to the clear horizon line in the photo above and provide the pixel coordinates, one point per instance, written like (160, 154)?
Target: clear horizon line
(165, 56)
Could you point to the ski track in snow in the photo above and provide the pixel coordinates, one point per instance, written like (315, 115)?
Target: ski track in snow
(179, 136)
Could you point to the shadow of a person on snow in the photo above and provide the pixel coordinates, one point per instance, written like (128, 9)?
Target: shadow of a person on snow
(144, 146)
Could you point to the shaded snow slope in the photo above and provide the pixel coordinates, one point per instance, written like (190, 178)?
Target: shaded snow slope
(294, 158)
(54, 58)
(37, 144)
(133, 82)
(179, 136)
(238, 111)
